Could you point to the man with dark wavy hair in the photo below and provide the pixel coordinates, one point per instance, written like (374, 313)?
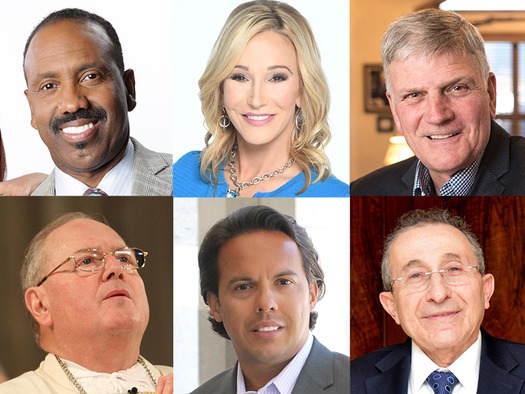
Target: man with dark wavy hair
(261, 278)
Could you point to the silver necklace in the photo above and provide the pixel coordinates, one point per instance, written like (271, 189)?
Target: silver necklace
(233, 193)
(81, 390)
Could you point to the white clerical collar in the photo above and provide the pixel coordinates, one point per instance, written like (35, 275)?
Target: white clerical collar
(285, 381)
(466, 367)
(117, 182)
(109, 383)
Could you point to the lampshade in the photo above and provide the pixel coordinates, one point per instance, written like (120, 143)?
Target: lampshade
(397, 150)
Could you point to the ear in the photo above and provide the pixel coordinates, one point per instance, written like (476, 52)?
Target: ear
(389, 304)
(299, 100)
(213, 303)
(36, 302)
(491, 89)
(33, 123)
(393, 110)
(488, 288)
(129, 82)
(314, 290)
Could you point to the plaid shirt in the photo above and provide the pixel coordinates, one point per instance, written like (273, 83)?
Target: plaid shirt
(458, 185)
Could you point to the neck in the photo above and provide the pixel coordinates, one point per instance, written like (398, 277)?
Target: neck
(255, 161)
(439, 180)
(444, 357)
(92, 177)
(105, 355)
(256, 376)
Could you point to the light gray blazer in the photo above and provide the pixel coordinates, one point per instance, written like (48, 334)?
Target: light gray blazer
(324, 372)
(152, 174)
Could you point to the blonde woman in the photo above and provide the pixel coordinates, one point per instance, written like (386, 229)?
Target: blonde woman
(265, 101)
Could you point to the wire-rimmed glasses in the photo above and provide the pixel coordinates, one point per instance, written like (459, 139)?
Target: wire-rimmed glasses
(417, 279)
(92, 260)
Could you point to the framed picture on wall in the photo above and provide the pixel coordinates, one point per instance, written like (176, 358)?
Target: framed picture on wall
(375, 89)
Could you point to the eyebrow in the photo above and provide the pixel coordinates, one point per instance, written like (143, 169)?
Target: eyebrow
(83, 67)
(271, 68)
(280, 274)
(467, 79)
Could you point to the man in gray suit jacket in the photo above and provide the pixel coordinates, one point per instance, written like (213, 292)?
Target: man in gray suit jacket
(260, 276)
(80, 94)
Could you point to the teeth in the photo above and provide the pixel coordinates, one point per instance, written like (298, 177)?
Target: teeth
(77, 130)
(268, 329)
(258, 117)
(441, 137)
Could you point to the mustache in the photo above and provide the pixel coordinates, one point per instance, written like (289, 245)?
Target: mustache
(91, 113)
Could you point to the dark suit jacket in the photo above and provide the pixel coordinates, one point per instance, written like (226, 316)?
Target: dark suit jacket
(324, 372)
(502, 368)
(500, 173)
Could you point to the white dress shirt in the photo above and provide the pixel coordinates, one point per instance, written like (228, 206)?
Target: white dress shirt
(285, 381)
(466, 369)
(117, 182)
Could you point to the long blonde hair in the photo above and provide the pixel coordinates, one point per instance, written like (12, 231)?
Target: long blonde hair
(309, 140)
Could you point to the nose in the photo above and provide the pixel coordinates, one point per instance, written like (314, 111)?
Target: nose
(438, 109)
(437, 290)
(72, 98)
(257, 95)
(112, 268)
(265, 300)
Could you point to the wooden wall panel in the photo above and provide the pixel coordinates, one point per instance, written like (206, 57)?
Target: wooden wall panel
(499, 224)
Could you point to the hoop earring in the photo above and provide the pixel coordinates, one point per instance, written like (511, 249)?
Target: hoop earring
(224, 121)
(299, 120)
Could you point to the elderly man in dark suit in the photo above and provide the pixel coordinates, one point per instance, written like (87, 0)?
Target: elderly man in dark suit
(443, 100)
(437, 289)
(261, 278)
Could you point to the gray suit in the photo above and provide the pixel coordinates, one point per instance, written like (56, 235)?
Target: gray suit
(152, 174)
(324, 372)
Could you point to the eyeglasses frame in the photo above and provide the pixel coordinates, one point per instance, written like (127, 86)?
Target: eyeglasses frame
(72, 257)
(429, 274)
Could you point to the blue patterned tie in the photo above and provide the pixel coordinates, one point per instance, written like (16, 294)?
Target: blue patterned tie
(442, 382)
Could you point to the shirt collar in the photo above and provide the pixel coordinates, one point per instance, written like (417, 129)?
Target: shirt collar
(117, 182)
(458, 185)
(116, 382)
(466, 367)
(285, 381)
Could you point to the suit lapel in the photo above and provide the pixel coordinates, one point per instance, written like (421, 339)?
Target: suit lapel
(409, 176)
(395, 370)
(496, 364)
(152, 173)
(494, 164)
(317, 373)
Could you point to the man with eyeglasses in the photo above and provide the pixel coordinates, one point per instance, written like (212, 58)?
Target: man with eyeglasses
(89, 310)
(436, 288)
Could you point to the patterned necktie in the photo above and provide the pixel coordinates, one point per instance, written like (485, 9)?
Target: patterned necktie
(442, 382)
(91, 191)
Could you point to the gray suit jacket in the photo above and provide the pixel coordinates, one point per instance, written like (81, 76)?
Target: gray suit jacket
(324, 372)
(152, 174)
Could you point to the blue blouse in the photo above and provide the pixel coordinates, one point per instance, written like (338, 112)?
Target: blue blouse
(187, 182)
